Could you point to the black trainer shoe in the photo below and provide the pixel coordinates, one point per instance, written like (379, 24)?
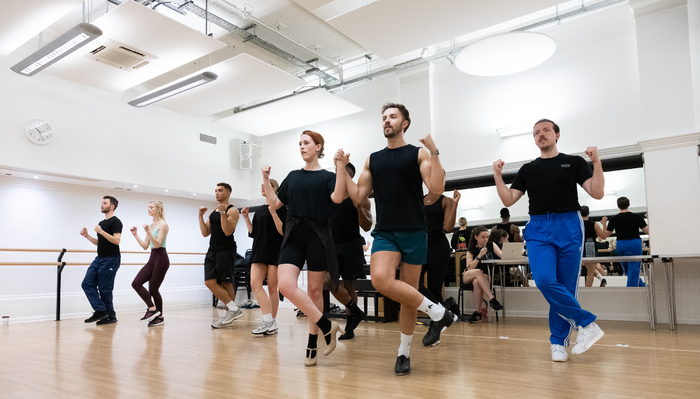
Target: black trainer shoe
(97, 316)
(402, 366)
(475, 317)
(107, 320)
(495, 304)
(157, 321)
(432, 337)
(150, 315)
(603, 283)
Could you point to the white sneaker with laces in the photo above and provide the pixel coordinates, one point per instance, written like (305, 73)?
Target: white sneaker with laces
(559, 353)
(231, 315)
(262, 328)
(272, 330)
(587, 336)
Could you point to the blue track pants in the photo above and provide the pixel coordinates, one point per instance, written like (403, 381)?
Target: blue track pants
(554, 248)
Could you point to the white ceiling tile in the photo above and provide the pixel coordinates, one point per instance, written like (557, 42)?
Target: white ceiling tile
(300, 110)
(390, 28)
(134, 25)
(22, 20)
(241, 80)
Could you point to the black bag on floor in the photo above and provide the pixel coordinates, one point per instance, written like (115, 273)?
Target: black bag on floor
(451, 305)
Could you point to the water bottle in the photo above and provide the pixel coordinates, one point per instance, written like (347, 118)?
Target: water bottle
(590, 248)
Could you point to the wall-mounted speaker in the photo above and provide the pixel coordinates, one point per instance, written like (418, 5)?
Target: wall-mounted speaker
(246, 156)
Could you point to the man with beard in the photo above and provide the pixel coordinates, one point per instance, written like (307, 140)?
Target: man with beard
(99, 278)
(396, 175)
(555, 232)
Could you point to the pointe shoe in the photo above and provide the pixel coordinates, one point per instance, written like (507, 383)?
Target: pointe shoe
(335, 328)
(311, 357)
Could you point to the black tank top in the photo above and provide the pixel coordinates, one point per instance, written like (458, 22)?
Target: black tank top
(435, 217)
(343, 221)
(506, 228)
(589, 227)
(398, 188)
(218, 241)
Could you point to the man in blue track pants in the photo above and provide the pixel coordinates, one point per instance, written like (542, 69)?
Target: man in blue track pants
(554, 235)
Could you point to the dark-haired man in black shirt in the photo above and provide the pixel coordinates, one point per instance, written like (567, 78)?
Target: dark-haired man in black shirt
(220, 258)
(554, 234)
(99, 278)
(626, 226)
(397, 174)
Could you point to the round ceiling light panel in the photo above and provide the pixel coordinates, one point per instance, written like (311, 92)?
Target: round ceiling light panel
(505, 54)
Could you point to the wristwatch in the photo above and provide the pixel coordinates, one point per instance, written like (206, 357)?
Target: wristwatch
(436, 152)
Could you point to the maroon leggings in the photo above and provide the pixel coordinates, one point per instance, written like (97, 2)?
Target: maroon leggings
(154, 272)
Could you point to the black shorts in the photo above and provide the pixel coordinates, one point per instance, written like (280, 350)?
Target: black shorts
(304, 245)
(219, 265)
(351, 259)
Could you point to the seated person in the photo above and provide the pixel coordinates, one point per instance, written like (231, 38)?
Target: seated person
(513, 273)
(476, 272)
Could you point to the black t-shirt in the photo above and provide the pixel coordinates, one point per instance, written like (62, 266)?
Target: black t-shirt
(490, 254)
(551, 183)
(506, 227)
(626, 225)
(218, 240)
(344, 222)
(460, 239)
(398, 188)
(435, 217)
(111, 226)
(308, 193)
(265, 234)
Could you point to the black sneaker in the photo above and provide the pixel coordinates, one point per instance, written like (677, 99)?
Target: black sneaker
(495, 304)
(157, 321)
(603, 283)
(97, 316)
(475, 317)
(402, 366)
(432, 337)
(150, 315)
(107, 320)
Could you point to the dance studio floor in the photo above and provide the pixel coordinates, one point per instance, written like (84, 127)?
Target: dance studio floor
(186, 358)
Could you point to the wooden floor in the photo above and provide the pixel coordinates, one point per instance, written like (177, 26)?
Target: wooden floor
(186, 358)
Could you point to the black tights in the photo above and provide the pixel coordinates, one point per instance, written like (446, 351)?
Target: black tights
(153, 272)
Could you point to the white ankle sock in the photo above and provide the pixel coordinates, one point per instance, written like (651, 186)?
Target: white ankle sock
(267, 317)
(598, 276)
(434, 310)
(232, 306)
(405, 347)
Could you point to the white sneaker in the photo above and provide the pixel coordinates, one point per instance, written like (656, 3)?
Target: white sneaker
(587, 336)
(272, 329)
(559, 353)
(232, 315)
(262, 328)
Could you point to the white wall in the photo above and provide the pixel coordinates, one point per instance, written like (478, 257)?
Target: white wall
(35, 214)
(98, 135)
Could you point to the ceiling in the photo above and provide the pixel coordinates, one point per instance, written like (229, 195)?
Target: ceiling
(262, 49)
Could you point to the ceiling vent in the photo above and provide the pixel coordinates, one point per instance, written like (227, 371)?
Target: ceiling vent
(205, 138)
(121, 56)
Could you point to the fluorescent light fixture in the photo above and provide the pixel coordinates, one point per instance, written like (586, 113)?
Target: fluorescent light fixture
(514, 130)
(173, 89)
(505, 54)
(611, 192)
(65, 44)
(471, 207)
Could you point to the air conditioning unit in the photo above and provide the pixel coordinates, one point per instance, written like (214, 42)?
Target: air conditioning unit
(121, 56)
(246, 156)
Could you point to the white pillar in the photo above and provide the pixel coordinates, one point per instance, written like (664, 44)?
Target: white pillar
(672, 179)
(666, 73)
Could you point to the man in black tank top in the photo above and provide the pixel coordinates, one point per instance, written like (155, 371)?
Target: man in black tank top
(505, 225)
(345, 220)
(396, 174)
(219, 261)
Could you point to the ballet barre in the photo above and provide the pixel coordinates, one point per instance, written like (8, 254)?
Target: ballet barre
(646, 261)
(60, 264)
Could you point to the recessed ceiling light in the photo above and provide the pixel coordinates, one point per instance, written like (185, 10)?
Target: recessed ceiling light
(166, 190)
(611, 192)
(135, 186)
(194, 194)
(505, 54)
(36, 177)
